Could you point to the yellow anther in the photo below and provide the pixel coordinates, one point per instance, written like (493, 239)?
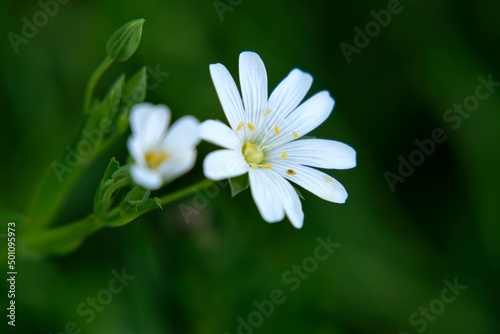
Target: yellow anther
(268, 166)
(277, 130)
(284, 155)
(238, 128)
(251, 127)
(267, 112)
(155, 159)
(291, 172)
(295, 134)
(252, 165)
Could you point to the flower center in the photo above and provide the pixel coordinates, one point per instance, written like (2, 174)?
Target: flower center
(252, 153)
(154, 159)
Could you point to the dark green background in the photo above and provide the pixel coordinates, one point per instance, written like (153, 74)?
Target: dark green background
(397, 247)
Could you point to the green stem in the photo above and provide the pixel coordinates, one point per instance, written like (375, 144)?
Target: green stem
(55, 186)
(60, 240)
(93, 81)
(115, 218)
(167, 199)
(64, 239)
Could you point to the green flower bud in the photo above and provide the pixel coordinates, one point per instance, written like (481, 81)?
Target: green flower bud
(123, 43)
(110, 107)
(134, 92)
(114, 179)
(135, 88)
(136, 196)
(121, 173)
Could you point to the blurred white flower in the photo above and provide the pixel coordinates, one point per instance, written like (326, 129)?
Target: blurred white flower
(160, 154)
(262, 140)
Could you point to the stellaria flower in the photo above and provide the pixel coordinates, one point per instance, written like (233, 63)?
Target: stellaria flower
(160, 155)
(263, 139)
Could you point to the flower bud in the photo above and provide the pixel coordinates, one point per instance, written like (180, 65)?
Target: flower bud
(135, 88)
(136, 196)
(123, 43)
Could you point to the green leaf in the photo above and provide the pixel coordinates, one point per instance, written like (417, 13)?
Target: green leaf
(238, 184)
(158, 202)
(126, 214)
(124, 41)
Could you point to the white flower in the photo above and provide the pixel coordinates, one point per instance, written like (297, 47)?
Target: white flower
(160, 155)
(262, 140)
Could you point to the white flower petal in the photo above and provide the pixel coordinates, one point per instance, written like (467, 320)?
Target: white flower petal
(178, 163)
(149, 123)
(264, 192)
(319, 153)
(275, 196)
(184, 132)
(223, 164)
(290, 201)
(287, 95)
(319, 183)
(136, 150)
(229, 96)
(253, 81)
(146, 178)
(220, 134)
(308, 116)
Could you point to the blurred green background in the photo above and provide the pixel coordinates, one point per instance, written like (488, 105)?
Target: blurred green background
(397, 248)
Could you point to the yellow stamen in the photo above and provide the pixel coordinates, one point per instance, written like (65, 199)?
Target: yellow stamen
(252, 165)
(251, 127)
(238, 128)
(267, 112)
(284, 155)
(295, 134)
(268, 166)
(155, 159)
(277, 130)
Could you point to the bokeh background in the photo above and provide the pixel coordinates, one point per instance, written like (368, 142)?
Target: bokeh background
(396, 247)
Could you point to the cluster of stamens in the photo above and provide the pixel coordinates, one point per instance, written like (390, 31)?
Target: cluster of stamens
(254, 153)
(155, 159)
